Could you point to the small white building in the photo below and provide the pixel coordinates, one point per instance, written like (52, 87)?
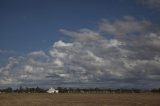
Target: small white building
(52, 90)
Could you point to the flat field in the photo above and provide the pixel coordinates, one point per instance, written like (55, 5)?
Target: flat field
(44, 99)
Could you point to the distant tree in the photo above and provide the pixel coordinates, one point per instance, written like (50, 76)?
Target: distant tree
(9, 90)
(60, 89)
(156, 90)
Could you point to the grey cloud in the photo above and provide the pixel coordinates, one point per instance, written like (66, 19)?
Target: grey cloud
(82, 35)
(144, 47)
(6, 71)
(126, 25)
(127, 62)
(151, 3)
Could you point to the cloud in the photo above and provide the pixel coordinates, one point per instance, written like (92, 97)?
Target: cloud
(82, 35)
(61, 44)
(37, 53)
(126, 25)
(93, 60)
(5, 72)
(151, 3)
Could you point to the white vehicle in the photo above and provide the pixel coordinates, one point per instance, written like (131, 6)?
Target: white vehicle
(52, 90)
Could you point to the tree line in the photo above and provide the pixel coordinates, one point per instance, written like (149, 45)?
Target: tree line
(24, 90)
(77, 90)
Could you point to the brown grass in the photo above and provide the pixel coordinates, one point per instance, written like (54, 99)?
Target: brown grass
(44, 99)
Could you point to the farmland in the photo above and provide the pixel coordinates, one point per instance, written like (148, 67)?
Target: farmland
(79, 99)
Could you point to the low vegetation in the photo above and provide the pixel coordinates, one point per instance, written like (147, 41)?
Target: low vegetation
(77, 90)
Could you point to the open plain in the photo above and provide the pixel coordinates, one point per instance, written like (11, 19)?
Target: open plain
(64, 99)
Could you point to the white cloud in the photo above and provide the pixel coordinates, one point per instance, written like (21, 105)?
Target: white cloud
(55, 53)
(58, 62)
(60, 44)
(37, 53)
(111, 43)
(131, 62)
(28, 68)
(5, 72)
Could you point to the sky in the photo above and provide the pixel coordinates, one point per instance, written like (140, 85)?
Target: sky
(80, 43)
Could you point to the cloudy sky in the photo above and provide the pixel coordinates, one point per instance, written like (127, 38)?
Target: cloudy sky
(80, 43)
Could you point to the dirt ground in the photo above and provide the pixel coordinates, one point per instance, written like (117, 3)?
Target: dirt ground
(44, 99)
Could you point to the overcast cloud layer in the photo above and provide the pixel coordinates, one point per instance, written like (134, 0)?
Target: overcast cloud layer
(120, 53)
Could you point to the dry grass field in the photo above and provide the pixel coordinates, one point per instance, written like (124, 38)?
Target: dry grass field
(44, 99)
